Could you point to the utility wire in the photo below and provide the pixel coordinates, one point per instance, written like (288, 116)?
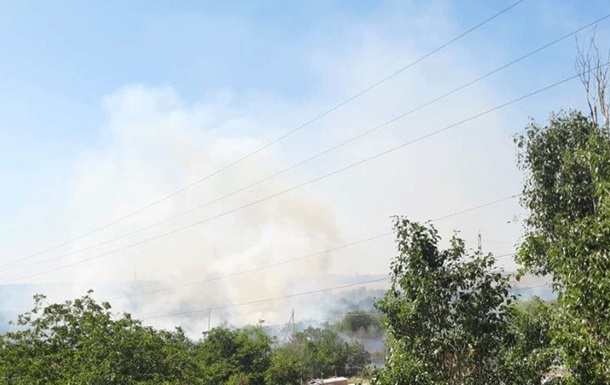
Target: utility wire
(316, 179)
(356, 313)
(351, 313)
(378, 314)
(497, 257)
(269, 299)
(274, 141)
(286, 261)
(307, 256)
(190, 312)
(477, 207)
(320, 154)
(330, 149)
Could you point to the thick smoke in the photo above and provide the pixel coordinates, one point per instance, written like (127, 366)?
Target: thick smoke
(154, 143)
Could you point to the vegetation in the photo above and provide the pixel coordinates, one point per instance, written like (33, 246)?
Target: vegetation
(83, 342)
(448, 317)
(446, 312)
(567, 193)
(234, 356)
(529, 355)
(362, 324)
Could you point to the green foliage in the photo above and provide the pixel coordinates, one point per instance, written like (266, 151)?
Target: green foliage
(80, 342)
(239, 379)
(567, 194)
(239, 356)
(285, 368)
(83, 342)
(529, 353)
(446, 312)
(362, 324)
(323, 353)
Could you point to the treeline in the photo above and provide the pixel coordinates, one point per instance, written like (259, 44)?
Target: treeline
(83, 342)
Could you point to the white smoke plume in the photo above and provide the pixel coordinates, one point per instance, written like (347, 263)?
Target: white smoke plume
(154, 142)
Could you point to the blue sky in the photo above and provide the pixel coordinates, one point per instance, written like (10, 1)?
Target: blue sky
(66, 55)
(66, 69)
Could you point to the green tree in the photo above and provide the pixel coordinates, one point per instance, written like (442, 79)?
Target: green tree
(82, 342)
(285, 368)
(567, 234)
(356, 359)
(361, 323)
(236, 355)
(446, 312)
(323, 353)
(530, 354)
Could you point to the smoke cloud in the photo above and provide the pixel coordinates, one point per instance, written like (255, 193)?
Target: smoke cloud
(154, 141)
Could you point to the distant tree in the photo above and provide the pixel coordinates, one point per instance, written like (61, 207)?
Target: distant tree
(239, 379)
(356, 359)
(446, 312)
(323, 353)
(83, 342)
(361, 323)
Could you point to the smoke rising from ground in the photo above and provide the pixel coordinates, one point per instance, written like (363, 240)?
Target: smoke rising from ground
(154, 141)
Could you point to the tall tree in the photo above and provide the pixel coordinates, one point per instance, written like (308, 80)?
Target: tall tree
(567, 234)
(446, 312)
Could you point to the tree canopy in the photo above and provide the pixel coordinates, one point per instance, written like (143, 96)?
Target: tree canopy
(361, 323)
(84, 342)
(567, 234)
(446, 311)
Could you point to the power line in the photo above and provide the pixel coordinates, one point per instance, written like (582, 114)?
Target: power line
(307, 256)
(316, 179)
(356, 313)
(351, 313)
(537, 286)
(476, 207)
(274, 141)
(269, 299)
(190, 312)
(328, 150)
(217, 278)
(497, 257)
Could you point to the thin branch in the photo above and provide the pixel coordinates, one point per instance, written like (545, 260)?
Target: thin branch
(594, 75)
